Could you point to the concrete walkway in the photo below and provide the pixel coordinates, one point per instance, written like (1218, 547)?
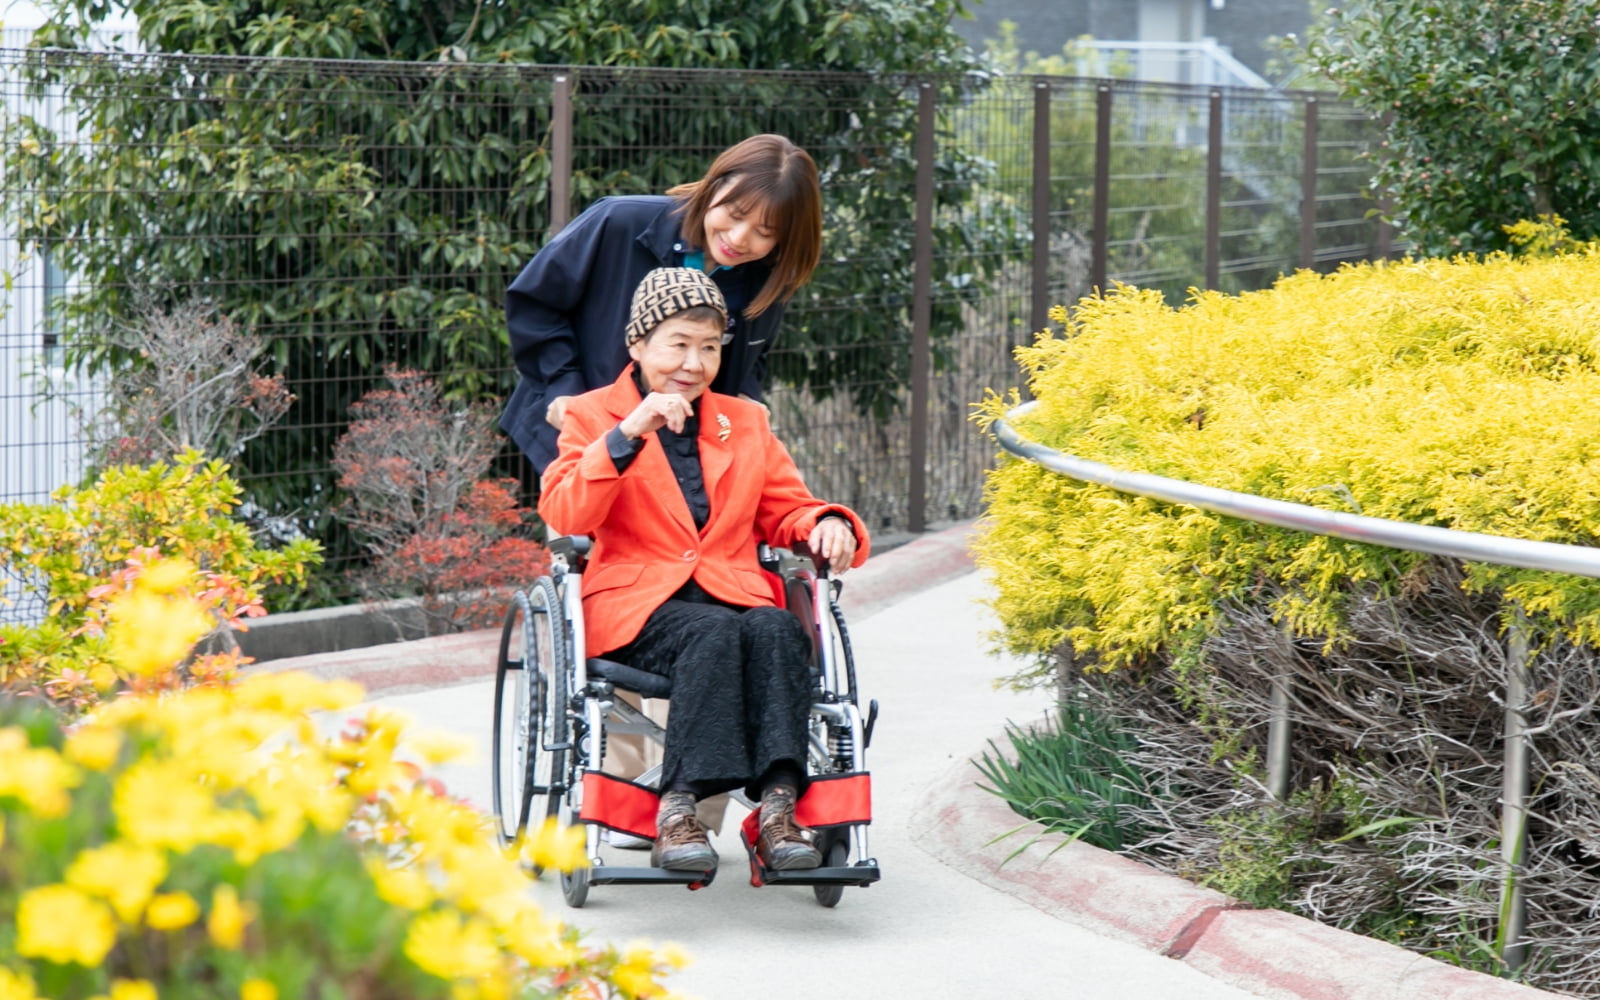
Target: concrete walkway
(951, 918)
(925, 930)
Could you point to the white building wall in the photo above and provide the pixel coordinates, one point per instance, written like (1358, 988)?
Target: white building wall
(42, 409)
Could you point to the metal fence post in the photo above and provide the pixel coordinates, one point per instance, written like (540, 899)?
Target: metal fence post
(1041, 205)
(560, 152)
(1383, 243)
(1214, 191)
(1515, 784)
(1308, 189)
(1101, 236)
(921, 314)
(1278, 739)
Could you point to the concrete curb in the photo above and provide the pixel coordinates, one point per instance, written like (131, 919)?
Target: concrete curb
(1268, 952)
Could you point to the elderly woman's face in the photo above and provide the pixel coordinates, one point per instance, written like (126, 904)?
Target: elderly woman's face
(680, 355)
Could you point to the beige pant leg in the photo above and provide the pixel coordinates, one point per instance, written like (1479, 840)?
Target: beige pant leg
(629, 755)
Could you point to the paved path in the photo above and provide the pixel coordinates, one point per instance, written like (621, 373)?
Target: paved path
(949, 919)
(925, 930)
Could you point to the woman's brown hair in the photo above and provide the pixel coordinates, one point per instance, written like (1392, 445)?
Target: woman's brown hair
(774, 173)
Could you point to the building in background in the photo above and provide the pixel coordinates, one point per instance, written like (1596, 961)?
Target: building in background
(42, 405)
(1210, 42)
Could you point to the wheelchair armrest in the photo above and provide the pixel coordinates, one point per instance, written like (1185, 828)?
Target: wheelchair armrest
(573, 547)
(803, 550)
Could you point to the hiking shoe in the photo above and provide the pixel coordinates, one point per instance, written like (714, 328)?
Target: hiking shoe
(681, 843)
(784, 845)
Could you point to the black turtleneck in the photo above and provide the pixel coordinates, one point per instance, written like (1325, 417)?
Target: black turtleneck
(683, 454)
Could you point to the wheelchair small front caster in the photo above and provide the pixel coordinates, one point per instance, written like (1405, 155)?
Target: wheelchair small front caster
(575, 887)
(835, 855)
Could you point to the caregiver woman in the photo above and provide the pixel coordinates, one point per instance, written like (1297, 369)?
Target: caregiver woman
(753, 222)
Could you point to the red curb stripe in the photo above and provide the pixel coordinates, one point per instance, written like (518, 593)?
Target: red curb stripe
(1191, 935)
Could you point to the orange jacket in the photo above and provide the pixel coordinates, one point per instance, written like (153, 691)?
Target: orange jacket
(646, 546)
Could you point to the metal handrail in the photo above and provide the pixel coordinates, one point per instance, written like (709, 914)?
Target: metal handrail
(1580, 560)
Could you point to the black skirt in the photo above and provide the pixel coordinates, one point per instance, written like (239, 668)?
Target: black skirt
(741, 691)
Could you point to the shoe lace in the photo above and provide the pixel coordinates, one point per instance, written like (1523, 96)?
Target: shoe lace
(680, 829)
(779, 825)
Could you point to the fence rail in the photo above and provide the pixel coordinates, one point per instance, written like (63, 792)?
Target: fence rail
(363, 214)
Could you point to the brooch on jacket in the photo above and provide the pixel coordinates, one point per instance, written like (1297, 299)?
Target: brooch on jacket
(724, 427)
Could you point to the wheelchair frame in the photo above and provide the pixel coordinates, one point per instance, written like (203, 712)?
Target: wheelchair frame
(554, 710)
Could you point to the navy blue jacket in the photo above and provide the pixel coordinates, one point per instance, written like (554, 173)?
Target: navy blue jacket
(568, 308)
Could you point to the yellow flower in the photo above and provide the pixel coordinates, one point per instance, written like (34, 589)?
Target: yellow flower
(36, 775)
(673, 954)
(94, 747)
(133, 989)
(441, 748)
(292, 692)
(164, 576)
(305, 783)
(158, 804)
(171, 910)
(371, 758)
(405, 887)
(16, 985)
(540, 942)
(257, 989)
(61, 924)
(557, 847)
(228, 918)
(636, 973)
(150, 634)
(442, 944)
(120, 873)
(478, 875)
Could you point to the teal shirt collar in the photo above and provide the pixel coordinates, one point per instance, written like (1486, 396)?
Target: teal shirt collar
(697, 260)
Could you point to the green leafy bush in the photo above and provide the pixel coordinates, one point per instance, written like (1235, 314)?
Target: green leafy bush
(1488, 105)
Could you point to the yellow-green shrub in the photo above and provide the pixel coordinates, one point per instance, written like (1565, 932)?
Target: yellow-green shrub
(88, 545)
(1457, 393)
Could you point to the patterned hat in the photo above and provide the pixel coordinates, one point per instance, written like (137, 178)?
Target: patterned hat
(667, 291)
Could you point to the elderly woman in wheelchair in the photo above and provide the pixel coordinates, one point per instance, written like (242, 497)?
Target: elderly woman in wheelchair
(677, 484)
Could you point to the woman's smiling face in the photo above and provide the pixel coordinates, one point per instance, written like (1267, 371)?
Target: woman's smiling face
(681, 356)
(737, 233)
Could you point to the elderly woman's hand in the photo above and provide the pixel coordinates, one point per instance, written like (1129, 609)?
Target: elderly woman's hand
(834, 540)
(655, 411)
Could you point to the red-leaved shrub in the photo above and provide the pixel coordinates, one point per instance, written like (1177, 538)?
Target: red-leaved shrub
(413, 466)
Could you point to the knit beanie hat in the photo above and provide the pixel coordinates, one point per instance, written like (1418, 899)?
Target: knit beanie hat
(667, 291)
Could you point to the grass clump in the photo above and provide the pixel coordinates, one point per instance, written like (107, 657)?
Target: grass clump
(1073, 775)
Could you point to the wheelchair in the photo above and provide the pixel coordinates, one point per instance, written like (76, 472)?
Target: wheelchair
(554, 708)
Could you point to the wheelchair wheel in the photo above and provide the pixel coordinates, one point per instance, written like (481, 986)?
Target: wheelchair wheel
(575, 887)
(835, 854)
(511, 698)
(587, 736)
(530, 723)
